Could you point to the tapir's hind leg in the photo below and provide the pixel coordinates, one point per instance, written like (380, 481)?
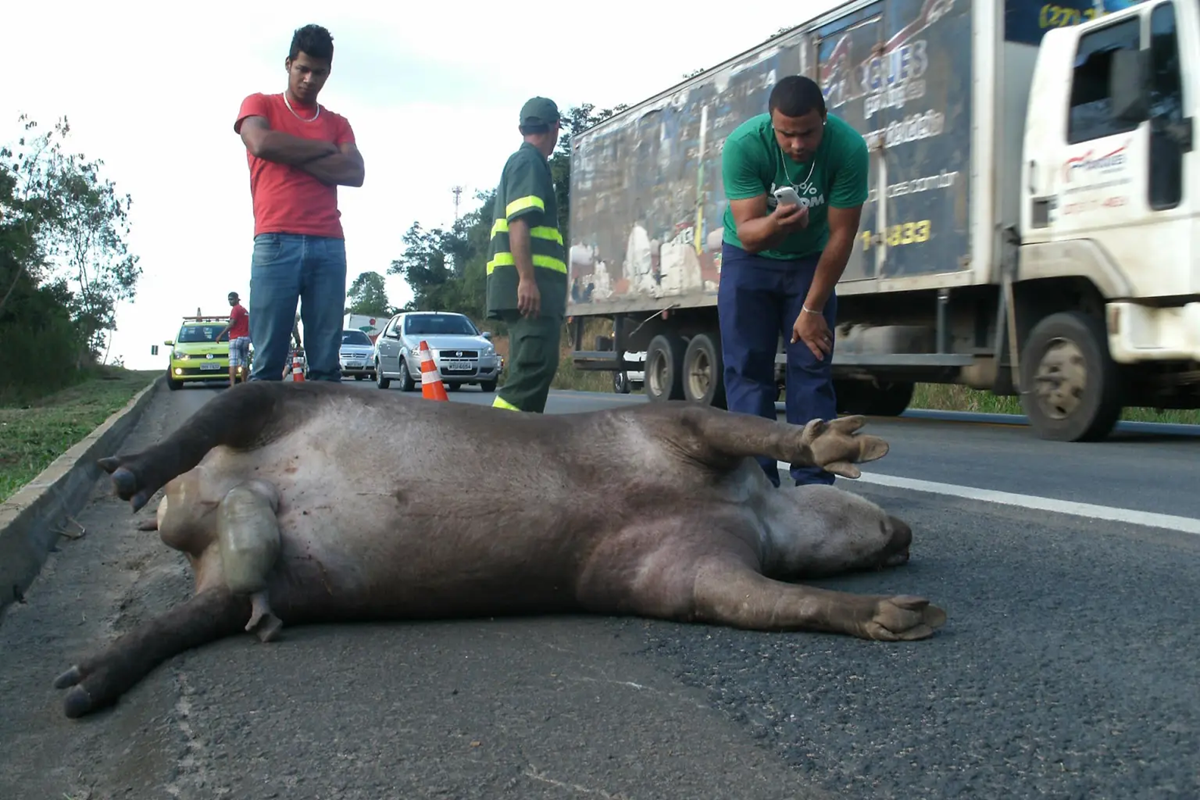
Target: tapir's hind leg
(98, 681)
(727, 591)
(243, 416)
(721, 437)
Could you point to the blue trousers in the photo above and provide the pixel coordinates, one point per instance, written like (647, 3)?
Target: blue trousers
(287, 267)
(758, 299)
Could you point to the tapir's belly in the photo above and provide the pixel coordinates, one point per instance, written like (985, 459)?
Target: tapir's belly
(391, 531)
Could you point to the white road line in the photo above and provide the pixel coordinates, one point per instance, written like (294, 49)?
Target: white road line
(1033, 502)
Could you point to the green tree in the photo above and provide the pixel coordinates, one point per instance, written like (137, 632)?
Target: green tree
(64, 260)
(368, 295)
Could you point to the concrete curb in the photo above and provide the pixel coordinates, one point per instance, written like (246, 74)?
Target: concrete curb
(31, 519)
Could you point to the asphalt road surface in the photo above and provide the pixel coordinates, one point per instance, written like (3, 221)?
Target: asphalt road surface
(1069, 667)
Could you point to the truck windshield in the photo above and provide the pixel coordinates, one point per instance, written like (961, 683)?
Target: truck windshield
(429, 324)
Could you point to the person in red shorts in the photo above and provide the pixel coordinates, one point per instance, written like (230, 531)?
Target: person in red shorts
(239, 339)
(298, 152)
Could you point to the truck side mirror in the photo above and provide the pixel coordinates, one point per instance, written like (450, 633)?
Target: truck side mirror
(487, 335)
(1127, 85)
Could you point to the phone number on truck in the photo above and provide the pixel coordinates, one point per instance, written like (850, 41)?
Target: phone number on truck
(901, 234)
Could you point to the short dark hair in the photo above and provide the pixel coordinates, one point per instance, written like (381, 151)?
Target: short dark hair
(529, 130)
(313, 40)
(795, 96)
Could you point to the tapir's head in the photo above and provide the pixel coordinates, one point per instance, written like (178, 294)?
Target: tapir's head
(822, 530)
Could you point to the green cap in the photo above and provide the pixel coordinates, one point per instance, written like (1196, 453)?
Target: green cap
(539, 111)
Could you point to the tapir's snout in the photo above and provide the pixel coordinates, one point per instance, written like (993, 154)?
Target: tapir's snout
(896, 552)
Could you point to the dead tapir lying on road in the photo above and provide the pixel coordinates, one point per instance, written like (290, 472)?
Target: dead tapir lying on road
(313, 502)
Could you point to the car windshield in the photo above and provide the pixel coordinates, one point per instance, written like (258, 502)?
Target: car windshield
(356, 337)
(430, 324)
(192, 334)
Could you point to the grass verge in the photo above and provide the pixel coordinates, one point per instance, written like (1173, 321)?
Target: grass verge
(31, 437)
(949, 397)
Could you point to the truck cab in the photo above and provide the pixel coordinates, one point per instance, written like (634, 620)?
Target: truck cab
(1108, 274)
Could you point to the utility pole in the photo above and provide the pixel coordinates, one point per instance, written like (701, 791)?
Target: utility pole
(457, 190)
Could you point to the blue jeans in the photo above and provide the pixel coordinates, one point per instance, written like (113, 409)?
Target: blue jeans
(757, 300)
(287, 267)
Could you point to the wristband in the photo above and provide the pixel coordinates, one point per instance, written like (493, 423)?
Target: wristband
(808, 310)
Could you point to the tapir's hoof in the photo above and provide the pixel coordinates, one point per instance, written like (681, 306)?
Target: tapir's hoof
(904, 619)
(148, 524)
(126, 482)
(77, 703)
(266, 628)
(68, 678)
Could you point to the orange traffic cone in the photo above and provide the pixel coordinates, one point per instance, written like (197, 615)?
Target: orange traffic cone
(431, 381)
(297, 369)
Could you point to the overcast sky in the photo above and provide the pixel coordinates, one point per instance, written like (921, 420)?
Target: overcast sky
(432, 91)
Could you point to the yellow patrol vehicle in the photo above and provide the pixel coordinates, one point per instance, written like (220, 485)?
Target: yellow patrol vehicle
(195, 355)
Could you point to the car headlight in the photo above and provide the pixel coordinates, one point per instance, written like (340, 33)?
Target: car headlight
(180, 354)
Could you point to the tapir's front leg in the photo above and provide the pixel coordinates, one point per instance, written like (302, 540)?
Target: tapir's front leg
(98, 681)
(243, 416)
(727, 591)
(721, 436)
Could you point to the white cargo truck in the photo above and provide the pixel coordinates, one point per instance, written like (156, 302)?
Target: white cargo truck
(1032, 225)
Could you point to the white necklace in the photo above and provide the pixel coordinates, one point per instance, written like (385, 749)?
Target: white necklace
(297, 116)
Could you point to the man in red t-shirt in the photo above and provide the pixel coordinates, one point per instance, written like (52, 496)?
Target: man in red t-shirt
(239, 339)
(299, 153)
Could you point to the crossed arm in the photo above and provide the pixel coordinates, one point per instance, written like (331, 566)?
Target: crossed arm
(327, 162)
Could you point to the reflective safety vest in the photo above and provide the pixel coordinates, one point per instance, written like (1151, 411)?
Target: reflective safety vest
(526, 191)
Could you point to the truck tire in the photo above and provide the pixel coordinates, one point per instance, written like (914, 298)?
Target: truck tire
(1069, 382)
(888, 399)
(704, 372)
(664, 368)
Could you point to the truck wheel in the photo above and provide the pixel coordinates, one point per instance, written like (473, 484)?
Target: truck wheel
(1069, 382)
(888, 399)
(664, 368)
(703, 372)
(487, 387)
(621, 382)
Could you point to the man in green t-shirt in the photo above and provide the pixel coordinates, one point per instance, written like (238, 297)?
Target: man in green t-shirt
(781, 259)
(527, 270)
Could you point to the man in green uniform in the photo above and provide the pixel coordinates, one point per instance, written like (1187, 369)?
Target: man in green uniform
(527, 270)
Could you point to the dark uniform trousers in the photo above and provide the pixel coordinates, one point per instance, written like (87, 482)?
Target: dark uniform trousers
(532, 361)
(758, 299)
